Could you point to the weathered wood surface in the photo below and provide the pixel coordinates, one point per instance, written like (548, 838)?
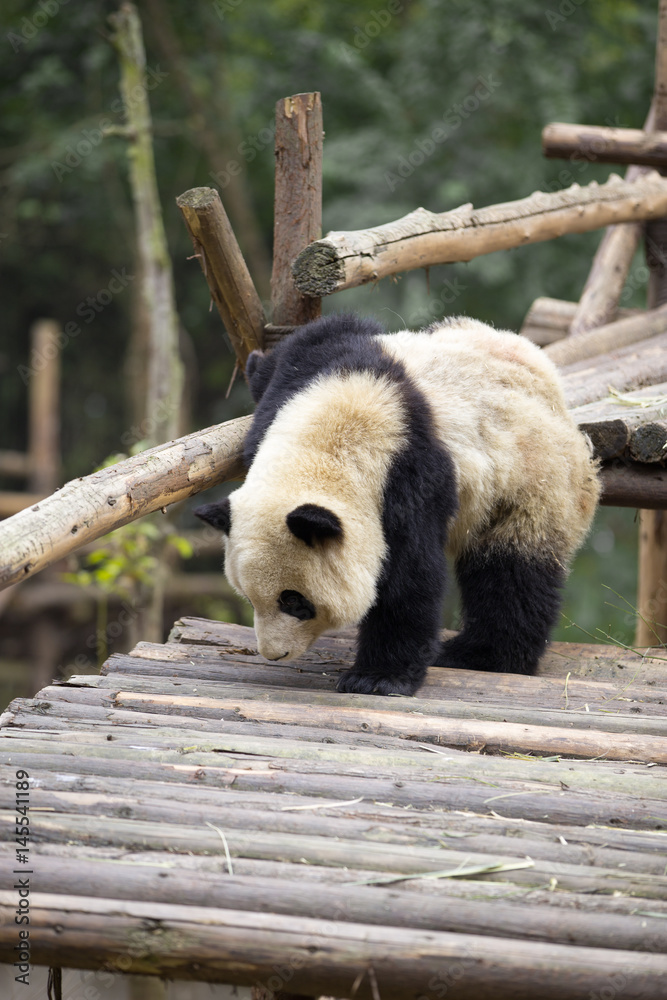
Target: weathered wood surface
(549, 320)
(602, 144)
(197, 812)
(421, 239)
(225, 270)
(298, 202)
(622, 428)
(85, 509)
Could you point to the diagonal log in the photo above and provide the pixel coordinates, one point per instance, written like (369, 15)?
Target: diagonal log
(87, 508)
(224, 268)
(423, 239)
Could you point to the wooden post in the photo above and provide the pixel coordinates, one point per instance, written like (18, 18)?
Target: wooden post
(298, 203)
(44, 408)
(652, 582)
(225, 270)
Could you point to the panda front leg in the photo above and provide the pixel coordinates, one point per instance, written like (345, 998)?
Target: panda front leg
(399, 637)
(511, 601)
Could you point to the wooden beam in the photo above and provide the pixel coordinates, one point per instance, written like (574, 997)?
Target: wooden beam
(597, 144)
(635, 485)
(423, 239)
(624, 370)
(619, 429)
(225, 270)
(44, 407)
(598, 304)
(611, 337)
(298, 202)
(315, 955)
(87, 508)
(549, 320)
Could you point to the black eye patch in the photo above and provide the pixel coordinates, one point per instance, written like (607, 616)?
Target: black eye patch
(295, 604)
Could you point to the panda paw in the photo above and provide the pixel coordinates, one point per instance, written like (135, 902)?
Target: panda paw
(355, 682)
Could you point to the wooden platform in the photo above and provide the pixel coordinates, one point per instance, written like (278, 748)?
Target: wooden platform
(198, 813)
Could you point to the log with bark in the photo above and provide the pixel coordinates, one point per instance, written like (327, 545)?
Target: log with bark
(600, 144)
(627, 427)
(314, 956)
(422, 239)
(298, 202)
(549, 320)
(87, 508)
(640, 364)
(225, 270)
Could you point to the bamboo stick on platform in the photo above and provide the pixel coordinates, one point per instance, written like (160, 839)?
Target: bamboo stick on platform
(422, 239)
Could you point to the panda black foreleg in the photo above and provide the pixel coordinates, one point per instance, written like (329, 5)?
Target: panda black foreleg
(399, 637)
(510, 603)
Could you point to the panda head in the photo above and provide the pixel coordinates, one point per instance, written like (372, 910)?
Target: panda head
(291, 563)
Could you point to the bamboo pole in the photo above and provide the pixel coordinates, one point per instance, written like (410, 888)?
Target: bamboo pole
(298, 202)
(422, 239)
(314, 956)
(87, 508)
(225, 270)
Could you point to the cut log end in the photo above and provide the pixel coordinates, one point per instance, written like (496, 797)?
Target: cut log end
(318, 270)
(200, 197)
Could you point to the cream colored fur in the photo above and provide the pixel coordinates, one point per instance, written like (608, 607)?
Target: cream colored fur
(524, 474)
(331, 445)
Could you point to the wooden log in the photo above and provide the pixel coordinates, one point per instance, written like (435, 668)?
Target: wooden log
(583, 802)
(371, 905)
(44, 407)
(651, 592)
(600, 144)
(640, 851)
(422, 239)
(315, 956)
(331, 850)
(298, 202)
(640, 486)
(612, 424)
(225, 270)
(621, 333)
(87, 508)
(549, 320)
(624, 369)
(649, 442)
(598, 304)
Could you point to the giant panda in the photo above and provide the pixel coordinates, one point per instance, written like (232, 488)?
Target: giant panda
(371, 456)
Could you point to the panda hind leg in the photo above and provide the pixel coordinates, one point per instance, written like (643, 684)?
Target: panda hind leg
(511, 601)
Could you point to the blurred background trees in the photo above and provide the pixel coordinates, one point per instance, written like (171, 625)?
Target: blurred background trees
(490, 74)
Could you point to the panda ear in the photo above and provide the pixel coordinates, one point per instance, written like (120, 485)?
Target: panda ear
(259, 368)
(219, 514)
(310, 522)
